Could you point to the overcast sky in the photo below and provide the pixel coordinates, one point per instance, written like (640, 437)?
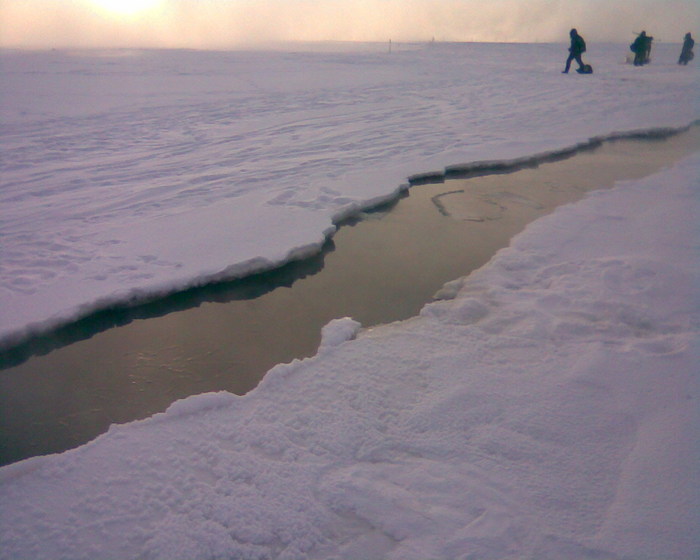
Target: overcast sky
(220, 24)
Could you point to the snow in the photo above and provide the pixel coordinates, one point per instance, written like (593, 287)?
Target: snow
(545, 408)
(129, 174)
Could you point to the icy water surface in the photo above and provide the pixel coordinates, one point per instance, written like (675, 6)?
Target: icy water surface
(122, 365)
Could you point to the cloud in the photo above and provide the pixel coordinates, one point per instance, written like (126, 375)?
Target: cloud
(223, 24)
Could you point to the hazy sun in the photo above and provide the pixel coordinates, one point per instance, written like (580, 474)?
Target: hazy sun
(127, 7)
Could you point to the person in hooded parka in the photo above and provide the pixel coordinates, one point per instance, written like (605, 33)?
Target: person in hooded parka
(577, 48)
(687, 50)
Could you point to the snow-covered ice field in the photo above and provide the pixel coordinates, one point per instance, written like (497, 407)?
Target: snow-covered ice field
(130, 173)
(549, 410)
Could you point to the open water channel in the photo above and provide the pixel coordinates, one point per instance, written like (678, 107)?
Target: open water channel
(63, 389)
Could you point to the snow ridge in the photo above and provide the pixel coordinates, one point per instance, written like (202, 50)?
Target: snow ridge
(510, 165)
(134, 297)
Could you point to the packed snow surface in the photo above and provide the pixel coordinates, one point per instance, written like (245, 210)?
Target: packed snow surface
(132, 173)
(548, 411)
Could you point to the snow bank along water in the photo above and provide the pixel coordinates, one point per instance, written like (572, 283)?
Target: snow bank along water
(383, 269)
(549, 411)
(136, 175)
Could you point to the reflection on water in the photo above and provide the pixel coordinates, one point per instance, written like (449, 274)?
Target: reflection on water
(250, 287)
(124, 364)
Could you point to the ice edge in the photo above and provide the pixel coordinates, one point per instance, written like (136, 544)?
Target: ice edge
(139, 296)
(510, 165)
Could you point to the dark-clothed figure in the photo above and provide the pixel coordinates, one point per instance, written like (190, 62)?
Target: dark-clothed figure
(687, 51)
(577, 48)
(647, 55)
(641, 48)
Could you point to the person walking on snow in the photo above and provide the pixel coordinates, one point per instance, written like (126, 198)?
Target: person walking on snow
(577, 48)
(687, 51)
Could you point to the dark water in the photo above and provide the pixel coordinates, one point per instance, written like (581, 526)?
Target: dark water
(126, 364)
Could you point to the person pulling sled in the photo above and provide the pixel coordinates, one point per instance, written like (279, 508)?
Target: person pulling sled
(577, 48)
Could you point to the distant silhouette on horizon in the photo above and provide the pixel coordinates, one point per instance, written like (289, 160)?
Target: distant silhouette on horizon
(577, 48)
(641, 47)
(687, 53)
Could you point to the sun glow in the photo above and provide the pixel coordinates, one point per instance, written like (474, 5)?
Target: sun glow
(127, 8)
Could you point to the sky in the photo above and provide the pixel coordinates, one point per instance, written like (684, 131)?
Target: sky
(222, 24)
